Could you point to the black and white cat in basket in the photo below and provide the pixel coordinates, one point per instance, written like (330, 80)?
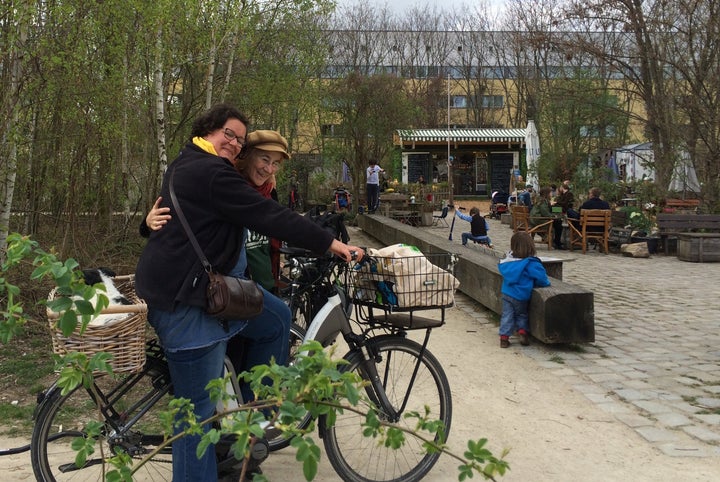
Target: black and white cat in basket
(105, 276)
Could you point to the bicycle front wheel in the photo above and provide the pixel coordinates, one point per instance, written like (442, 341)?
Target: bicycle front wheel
(297, 335)
(361, 459)
(63, 418)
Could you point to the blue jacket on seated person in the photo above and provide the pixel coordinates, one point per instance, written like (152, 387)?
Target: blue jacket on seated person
(478, 227)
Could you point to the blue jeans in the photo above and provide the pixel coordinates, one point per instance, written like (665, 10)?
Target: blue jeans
(190, 371)
(514, 315)
(480, 239)
(267, 336)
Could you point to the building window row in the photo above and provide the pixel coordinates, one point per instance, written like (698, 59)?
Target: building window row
(486, 102)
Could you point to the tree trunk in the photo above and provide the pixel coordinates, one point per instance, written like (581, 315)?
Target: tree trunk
(9, 173)
(160, 103)
(211, 71)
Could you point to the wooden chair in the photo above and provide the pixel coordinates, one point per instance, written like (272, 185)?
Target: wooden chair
(519, 218)
(594, 225)
(521, 222)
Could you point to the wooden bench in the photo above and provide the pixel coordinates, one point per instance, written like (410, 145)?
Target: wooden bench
(393, 202)
(681, 205)
(671, 225)
(619, 235)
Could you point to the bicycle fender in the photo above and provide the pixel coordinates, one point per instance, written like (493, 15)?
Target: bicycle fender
(43, 397)
(326, 325)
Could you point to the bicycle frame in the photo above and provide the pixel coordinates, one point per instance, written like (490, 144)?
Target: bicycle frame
(330, 320)
(334, 318)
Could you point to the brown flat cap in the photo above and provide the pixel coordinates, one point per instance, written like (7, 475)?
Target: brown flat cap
(267, 140)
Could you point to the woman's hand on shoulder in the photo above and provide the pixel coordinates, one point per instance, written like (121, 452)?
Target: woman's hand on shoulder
(157, 217)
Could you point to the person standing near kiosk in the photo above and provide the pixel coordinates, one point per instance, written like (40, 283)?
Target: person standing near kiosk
(373, 185)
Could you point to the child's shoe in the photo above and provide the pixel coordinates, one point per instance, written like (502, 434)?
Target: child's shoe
(524, 338)
(504, 342)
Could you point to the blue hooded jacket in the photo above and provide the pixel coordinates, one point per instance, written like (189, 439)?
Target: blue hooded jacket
(521, 275)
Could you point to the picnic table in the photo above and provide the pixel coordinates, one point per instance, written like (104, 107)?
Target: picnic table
(406, 216)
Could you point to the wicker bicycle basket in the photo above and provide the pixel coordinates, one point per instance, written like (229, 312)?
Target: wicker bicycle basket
(123, 338)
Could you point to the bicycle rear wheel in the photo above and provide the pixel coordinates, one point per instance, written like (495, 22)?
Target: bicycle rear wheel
(63, 418)
(360, 459)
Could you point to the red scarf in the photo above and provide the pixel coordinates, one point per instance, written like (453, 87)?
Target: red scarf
(265, 189)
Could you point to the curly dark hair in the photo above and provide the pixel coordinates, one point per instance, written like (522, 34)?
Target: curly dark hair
(215, 118)
(545, 192)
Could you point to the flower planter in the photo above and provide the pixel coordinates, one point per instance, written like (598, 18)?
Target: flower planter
(699, 247)
(652, 243)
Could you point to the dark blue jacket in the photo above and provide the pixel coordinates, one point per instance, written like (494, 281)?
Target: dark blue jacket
(595, 203)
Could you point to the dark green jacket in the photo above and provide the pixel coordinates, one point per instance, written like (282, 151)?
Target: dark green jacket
(540, 210)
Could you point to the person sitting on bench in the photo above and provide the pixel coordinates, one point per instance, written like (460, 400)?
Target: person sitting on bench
(478, 227)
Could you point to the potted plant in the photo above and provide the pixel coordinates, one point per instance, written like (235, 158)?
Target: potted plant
(642, 225)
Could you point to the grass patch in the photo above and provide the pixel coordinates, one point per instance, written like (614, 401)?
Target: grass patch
(574, 347)
(26, 363)
(17, 419)
(557, 359)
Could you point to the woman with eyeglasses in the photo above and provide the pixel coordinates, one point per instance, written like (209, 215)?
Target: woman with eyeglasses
(258, 162)
(220, 205)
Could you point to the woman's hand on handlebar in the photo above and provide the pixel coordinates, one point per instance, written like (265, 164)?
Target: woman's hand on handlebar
(346, 252)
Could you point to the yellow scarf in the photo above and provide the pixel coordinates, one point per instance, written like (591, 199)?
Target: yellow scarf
(204, 145)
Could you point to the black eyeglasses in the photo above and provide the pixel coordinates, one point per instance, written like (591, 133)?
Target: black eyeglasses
(230, 135)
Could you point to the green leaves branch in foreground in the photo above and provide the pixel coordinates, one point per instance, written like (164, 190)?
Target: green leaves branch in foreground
(314, 383)
(76, 301)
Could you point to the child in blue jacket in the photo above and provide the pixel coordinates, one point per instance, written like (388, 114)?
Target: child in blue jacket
(522, 271)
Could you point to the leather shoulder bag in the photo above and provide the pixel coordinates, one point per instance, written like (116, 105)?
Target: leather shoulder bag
(228, 297)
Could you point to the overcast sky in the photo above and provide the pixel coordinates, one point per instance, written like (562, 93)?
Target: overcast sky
(400, 5)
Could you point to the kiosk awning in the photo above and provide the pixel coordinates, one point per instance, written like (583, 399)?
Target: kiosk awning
(470, 136)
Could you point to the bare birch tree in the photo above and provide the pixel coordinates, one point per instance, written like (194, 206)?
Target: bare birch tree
(15, 30)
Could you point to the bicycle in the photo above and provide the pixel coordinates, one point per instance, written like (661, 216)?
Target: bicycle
(402, 376)
(126, 407)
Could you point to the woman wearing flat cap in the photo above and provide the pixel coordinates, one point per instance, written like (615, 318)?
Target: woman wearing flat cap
(259, 162)
(220, 206)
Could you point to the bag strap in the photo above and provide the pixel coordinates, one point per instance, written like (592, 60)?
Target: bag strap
(206, 264)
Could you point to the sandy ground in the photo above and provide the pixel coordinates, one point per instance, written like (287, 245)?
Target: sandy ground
(553, 432)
